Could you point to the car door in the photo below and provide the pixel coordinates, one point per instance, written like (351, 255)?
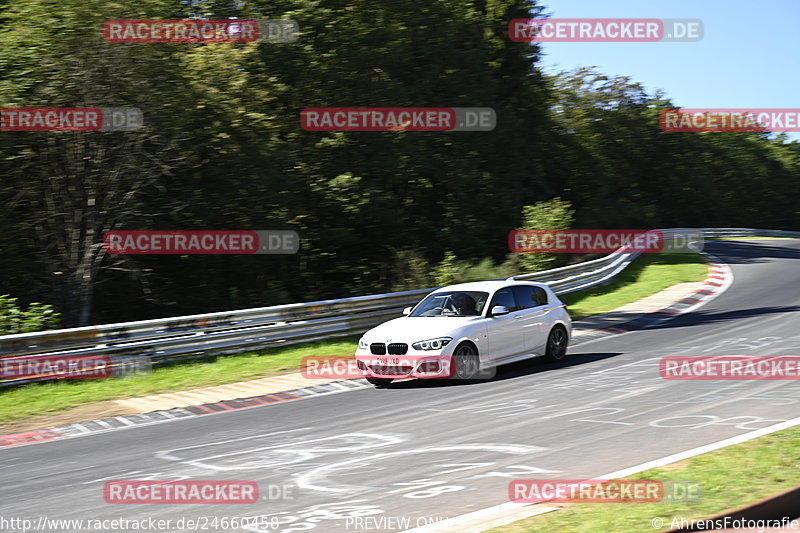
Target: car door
(504, 334)
(534, 317)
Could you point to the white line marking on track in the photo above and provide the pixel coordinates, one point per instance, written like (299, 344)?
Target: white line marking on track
(508, 512)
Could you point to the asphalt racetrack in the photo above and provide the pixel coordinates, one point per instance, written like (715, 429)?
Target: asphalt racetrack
(432, 450)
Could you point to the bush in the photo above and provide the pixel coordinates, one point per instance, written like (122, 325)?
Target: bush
(14, 319)
(551, 215)
(412, 271)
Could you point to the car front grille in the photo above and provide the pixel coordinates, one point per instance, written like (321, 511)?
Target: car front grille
(398, 348)
(395, 348)
(377, 348)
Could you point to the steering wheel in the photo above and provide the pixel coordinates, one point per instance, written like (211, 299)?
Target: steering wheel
(451, 308)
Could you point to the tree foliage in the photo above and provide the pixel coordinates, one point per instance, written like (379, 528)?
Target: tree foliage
(14, 319)
(551, 214)
(223, 149)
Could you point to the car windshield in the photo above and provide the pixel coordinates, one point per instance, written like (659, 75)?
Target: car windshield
(452, 303)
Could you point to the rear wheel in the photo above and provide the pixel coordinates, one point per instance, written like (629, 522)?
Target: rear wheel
(466, 363)
(556, 344)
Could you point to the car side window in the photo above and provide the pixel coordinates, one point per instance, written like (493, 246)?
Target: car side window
(529, 296)
(540, 295)
(504, 297)
(525, 296)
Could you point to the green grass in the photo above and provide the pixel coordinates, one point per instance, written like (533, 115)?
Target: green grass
(649, 274)
(52, 397)
(732, 477)
(645, 276)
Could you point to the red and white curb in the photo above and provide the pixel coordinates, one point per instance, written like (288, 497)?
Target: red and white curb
(157, 417)
(718, 280)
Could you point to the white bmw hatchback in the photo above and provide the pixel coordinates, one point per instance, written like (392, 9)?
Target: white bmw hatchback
(463, 331)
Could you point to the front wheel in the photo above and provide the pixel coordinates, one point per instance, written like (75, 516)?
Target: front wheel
(379, 382)
(466, 363)
(556, 344)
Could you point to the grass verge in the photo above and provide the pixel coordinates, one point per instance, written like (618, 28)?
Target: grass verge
(732, 477)
(647, 275)
(52, 397)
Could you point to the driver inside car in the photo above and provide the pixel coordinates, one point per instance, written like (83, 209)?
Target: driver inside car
(463, 304)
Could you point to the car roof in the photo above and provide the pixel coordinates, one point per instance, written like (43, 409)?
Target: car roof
(490, 286)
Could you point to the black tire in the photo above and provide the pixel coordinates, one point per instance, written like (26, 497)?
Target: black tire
(556, 344)
(466, 363)
(379, 382)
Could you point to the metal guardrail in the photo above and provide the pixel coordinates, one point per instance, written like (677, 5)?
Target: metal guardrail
(183, 337)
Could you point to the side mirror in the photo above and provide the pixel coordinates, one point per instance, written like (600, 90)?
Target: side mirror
(407, 311)
(499, 310)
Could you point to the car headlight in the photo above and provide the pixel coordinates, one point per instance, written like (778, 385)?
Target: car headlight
(362, 344)
(432, 344)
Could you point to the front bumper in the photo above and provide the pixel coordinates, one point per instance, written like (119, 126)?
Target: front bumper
(428, 366)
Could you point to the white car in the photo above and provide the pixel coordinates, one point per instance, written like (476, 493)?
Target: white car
(462, 330)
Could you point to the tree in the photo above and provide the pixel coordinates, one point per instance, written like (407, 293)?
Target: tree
(555, 214)
(67, 189)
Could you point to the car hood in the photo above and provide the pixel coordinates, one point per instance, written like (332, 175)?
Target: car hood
(413, 329)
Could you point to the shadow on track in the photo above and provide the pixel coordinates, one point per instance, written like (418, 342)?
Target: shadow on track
(697, 318)
(510, 371)
(742, 252)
